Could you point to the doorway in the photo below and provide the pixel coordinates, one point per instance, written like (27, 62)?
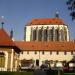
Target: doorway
(37, 62)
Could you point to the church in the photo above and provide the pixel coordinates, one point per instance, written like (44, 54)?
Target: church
(45, 39)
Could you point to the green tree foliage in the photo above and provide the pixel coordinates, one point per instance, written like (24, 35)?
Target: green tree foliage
(71, 7)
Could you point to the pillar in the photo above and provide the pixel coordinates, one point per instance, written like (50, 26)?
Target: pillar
(59, 34)
(6, 61)
(12, 55)
(68, 38)
(31, 34)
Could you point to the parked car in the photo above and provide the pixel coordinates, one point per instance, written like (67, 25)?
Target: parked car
(27, 68)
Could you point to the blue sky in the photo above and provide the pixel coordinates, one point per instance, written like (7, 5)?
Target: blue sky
(18, 12)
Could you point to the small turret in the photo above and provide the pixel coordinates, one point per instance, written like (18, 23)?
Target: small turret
(2, 24)
(11, 34)
(57, 14)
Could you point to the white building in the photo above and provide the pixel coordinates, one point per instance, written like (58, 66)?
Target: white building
(46, 39)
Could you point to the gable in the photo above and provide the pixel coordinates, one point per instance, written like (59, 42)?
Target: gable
(5, 40)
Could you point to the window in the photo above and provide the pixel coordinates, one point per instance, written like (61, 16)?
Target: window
(51, 31)
(35, 52)
(40, 35)
(43, 52)
(65, 33)
(56, 35)
(27, 52)
(57, 52)
(45, 35)
(25, 33)
(71, 52)
(65, 53)
(34, 35)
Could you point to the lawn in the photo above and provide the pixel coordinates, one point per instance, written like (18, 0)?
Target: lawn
(69, 73)
(16, 73)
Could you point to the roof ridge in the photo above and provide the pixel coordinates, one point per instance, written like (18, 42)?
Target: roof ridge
(46, 21)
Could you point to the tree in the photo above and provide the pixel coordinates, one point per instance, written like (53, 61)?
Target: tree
(71, 7)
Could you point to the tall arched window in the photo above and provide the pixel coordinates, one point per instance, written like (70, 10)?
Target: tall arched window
(34, 34)
(2, 59)
(25, 34)
(51, 34)
(65, 34)
(31, 35)
(45, 34)
(56, 35)
(40, 35)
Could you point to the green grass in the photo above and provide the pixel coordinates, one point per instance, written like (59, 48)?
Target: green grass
(16, 73)
(69, 73)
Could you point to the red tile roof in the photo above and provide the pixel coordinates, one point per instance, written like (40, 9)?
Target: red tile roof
(5, 40)
(49, 46)
(46, 21)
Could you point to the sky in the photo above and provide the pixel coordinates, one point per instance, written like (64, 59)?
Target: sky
(17, 13)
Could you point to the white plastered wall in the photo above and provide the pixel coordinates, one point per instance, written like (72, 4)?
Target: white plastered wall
(47, 56)
(6, 61)
(28, 29)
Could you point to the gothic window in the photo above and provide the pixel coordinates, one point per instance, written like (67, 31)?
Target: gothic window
(34, 34)
(40, 35)
(57, 52)
(56, 35)
(2, 59)
(51, 34)
(65, 34)
(25, 33)
(31, 35)
(45, 35)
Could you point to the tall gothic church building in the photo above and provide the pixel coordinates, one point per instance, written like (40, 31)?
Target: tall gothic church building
(46, 39)
(46, 29)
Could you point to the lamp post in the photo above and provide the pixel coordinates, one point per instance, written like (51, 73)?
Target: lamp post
(59, 65)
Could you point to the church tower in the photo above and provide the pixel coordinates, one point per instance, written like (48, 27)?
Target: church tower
(46, 29)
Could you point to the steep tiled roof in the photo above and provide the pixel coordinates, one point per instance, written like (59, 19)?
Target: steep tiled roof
(5, 40)
(46, 21)
(49, 46)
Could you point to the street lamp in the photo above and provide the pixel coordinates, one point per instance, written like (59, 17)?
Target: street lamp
(59, 65)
